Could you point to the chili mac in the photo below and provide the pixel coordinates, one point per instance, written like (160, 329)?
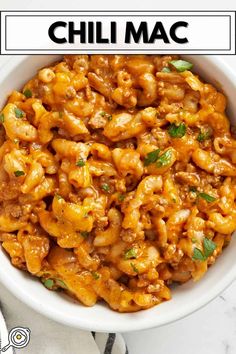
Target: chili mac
(117, 177)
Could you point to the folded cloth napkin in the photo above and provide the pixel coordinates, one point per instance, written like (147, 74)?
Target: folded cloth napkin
(49, 337)
(4, 334)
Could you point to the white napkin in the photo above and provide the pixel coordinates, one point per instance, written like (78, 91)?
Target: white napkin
(3, 334)
(49, 337)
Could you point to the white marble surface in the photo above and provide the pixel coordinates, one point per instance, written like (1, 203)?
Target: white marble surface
(211, 330)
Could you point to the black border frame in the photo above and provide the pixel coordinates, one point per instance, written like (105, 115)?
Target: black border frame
(227, 13)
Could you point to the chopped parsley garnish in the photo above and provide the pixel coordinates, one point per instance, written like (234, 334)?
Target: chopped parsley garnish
(95, 275)
(107, 115)
(208, 248)
(134, 268)
(84, 234)
(181, 65)
(80, 163)
(202, 136)
(193, 189)
(19, 113)
(19, 173)
(164, 159)
(121, 197)
(177, 131)
(105, 187)
(166, 70)
(207, 197)
(130, 253)
(198, 255)
(151, 157)
(28, 93)
(2, 118)
(48, 283)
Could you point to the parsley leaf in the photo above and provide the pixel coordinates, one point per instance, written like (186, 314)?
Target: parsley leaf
(2, 118)
(84, 234)
(121, 197)
(105, 187)
(164, 159)
(202, 136)
(134, 268)
(28, 93)
(209, 247)
(198, 255)
(177, 131)
(19, 173)
(207, 197)
(165, 70)
(19, 113)
(181, 65)
(151, 157)
(48, 283)
(107, 115)
(95, 275)
(80, 163)
(131, 253)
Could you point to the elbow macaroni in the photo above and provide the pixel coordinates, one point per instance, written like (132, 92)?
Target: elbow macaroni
(114, 177)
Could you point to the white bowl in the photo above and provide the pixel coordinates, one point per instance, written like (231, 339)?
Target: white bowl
(186, 298)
